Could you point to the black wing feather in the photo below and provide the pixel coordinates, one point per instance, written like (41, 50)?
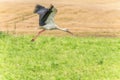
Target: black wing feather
(47, 14)
(43, 13)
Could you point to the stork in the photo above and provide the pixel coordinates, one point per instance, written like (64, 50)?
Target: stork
(46, 19)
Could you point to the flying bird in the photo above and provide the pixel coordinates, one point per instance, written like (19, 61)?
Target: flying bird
(46, 19)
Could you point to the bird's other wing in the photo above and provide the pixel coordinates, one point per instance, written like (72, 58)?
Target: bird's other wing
(50, 18)
(42, 12)
(39, 9)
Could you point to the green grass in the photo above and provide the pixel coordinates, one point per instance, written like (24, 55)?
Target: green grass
(59, 58)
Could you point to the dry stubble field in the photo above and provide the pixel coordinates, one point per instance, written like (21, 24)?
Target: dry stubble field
(83, 18)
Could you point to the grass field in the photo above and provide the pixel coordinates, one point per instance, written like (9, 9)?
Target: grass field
(59, 58)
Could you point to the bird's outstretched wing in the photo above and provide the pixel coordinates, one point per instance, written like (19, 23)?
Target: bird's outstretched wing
(42, 12)
(46, 15)
(50, 18)
(40, 9)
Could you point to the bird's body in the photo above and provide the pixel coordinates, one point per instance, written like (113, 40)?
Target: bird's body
(46, 19)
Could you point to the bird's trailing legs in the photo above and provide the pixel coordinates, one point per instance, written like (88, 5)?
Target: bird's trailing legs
(35, 37)
(64, 29)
